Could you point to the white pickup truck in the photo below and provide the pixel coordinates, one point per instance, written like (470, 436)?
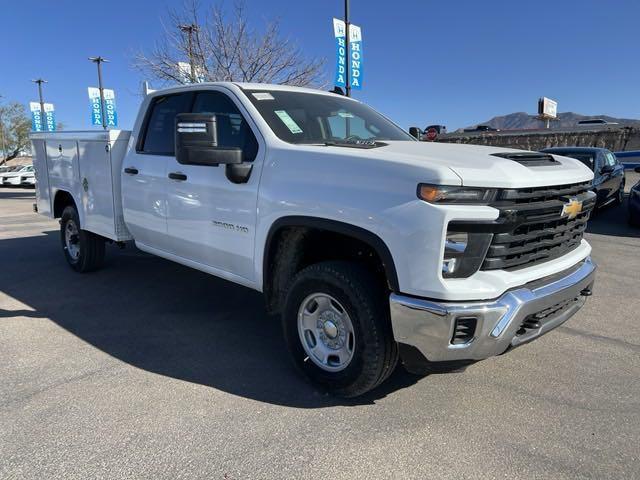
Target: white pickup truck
(373, 247)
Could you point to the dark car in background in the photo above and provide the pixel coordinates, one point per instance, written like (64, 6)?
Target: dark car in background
(634, 203)
(482, 128)
(608, 180)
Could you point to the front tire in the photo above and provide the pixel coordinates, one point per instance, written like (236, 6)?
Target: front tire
(337, 327)
(84, 251)
(620, 195)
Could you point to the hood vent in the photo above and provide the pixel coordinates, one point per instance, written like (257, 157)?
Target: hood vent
(529, 159)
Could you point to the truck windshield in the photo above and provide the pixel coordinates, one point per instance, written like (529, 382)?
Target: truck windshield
(308, 118)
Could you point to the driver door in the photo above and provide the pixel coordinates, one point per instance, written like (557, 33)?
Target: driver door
(210, 219)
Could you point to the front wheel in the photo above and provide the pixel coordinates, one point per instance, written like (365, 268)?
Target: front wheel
(620, 195)
(337, 327)
(84, 251)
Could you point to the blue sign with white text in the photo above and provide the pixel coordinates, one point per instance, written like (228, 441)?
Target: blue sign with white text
(96, 109)
(354, 56)
(108, 109)
(49, 117)
(36, 116)
(341, 53)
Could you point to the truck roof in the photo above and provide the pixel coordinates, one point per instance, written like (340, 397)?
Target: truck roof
(245, 86)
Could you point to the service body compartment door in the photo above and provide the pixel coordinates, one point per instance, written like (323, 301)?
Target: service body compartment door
(62, 160)
(43, 192)
(96, 187)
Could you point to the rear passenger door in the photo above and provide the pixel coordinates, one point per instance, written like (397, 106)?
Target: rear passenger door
(210, 219)
(617, 175)
(144, 177)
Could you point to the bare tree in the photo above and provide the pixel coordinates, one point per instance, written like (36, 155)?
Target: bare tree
(14, 131)
(221, 47)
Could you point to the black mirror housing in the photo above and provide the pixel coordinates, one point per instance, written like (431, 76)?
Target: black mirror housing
(606, 169)
(196, 136)
(415, 132)
(637, 169)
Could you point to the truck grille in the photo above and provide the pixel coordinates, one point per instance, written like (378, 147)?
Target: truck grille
(532, 228)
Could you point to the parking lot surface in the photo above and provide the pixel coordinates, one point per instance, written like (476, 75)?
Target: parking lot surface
(147, 369)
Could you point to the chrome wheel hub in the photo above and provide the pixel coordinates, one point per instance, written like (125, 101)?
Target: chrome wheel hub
(72, 239)
(326, 332)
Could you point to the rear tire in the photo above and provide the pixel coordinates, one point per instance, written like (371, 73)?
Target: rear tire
(84, 251)
(337, 327)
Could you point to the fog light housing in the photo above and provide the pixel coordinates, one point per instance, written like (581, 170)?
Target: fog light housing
(464, 253)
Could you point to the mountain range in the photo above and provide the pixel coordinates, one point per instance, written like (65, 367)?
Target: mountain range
(524, 121)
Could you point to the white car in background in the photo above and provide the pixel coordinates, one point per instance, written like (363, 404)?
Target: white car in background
(22, 176)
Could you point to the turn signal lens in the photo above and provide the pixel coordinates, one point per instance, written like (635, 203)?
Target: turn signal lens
(450, 194)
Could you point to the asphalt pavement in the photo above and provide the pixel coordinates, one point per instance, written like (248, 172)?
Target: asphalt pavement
(147, 369)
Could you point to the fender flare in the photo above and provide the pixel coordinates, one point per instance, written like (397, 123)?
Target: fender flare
(347, 229)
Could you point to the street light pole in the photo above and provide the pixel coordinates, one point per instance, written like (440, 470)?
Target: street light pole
(99, 61)
(189, 29)
(346, 24)
(40, 81)
(4, 149)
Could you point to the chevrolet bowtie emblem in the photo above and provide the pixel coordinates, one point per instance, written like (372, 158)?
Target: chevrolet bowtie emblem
(571, 209)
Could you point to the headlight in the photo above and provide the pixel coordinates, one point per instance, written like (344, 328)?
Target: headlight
(464, 253)
(459, 195)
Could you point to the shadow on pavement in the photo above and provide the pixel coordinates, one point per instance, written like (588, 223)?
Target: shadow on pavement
(613, 220)
(167, 319)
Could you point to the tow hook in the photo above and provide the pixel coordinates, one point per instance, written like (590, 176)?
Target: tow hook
(586, 292)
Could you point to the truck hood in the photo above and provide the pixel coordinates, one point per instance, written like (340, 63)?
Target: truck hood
(477, 166)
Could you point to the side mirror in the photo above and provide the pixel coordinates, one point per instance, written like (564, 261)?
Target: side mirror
(415, 132)
(197, 141)
(637, 169)
(606, 169)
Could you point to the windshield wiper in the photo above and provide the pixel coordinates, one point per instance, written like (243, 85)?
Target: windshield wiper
(351, 144)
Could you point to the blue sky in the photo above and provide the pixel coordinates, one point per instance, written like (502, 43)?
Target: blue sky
(454, 63)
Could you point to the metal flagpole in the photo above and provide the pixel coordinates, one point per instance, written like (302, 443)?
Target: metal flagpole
(99, 61)
(40, 81)
(348, 55)
(4, 149)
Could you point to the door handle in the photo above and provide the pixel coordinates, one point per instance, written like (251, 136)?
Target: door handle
(131, 170)
(177, 176)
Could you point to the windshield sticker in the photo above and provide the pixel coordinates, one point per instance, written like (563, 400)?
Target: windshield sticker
(262, 96)
(345, 114)
(288, 121)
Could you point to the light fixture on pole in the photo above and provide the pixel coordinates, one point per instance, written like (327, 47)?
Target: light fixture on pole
(99, 61)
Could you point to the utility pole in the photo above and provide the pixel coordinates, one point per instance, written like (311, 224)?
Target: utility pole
(346, 33)
(4, 149)
(99, 61)
(189, 30)
(40, 81)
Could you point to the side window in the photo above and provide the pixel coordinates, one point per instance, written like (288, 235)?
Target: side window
(611, 159)
(233, 129)
(159, 138)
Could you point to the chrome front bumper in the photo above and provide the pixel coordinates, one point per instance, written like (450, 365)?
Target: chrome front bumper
(429, 326)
